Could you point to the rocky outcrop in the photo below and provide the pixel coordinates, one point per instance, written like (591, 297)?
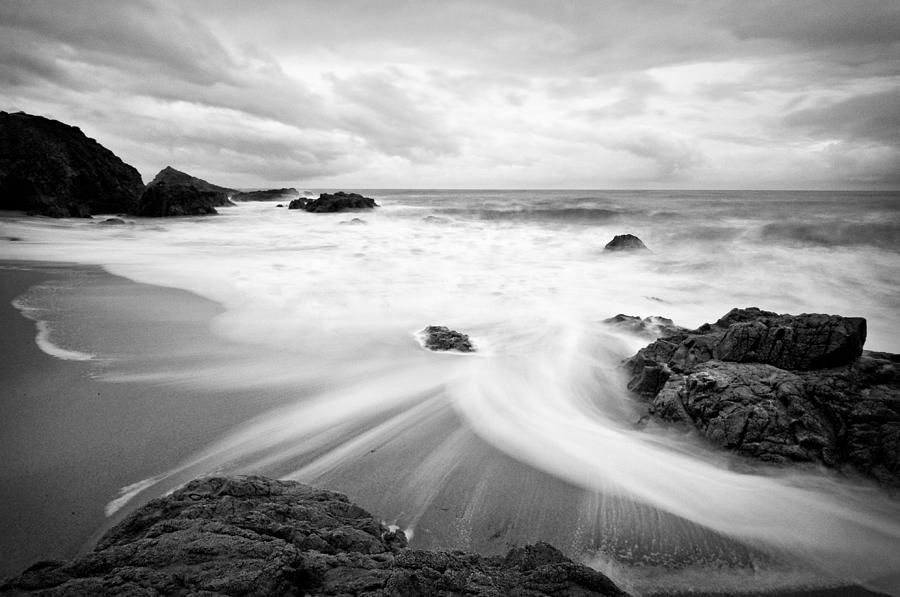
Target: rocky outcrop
(174, 193)
(267, 195)
(625, 242)
(299, 203)
(780, 388)
(650, 327)
(258, 536)
(53, 169)
(438, 337)
(340, 201)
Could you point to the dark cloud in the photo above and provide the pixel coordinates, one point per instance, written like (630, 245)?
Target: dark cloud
(873, 117)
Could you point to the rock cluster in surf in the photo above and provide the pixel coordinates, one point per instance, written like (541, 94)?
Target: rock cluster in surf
(258, 536)
(53, 169)
(651, 327)
(625, 242)
(333, 202)
(780, 388)
(265, 195)
(174, 193)
(439, 337)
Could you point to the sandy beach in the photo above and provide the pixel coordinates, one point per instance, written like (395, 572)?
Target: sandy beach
(70, 441)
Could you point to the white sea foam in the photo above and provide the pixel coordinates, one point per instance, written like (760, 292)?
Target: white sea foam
(43, 336)
(541, 416)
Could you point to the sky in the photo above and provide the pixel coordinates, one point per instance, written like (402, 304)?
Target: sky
(794, 94)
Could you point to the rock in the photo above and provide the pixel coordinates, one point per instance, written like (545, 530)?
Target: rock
(299, 203)
(112, 222)
(780, 388)
(267, 195)
(280, 205)
(174, 193)
(53, 169)
(258, 536)
(340, 201)
(354, 222)
(438, 337)
(625, 242)
(652, 327)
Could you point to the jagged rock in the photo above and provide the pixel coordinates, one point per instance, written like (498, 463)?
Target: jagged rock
(258, 536)
(340, 201)
(438, 337)
(651, 327)
(174, 193)
(267, 195)
(780, 388)
(625, 242)
(299, 203)
(53, 169)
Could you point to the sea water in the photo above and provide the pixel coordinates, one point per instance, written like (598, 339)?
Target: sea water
(532, 437)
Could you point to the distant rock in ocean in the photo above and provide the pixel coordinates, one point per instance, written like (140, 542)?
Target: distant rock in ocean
(267, 195)
(780, 388)
(53, 169)
(258, 536)
(438, 337)
(334, 202)
(299, 203)
(174, 193)
(625, 242)
(651, 327)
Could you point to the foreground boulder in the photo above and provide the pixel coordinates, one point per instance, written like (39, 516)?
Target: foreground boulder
(780, 388)
(53, 169)
(174, 193)
(438, 337)
(267, 195)
(258, 536)
(625, 242)
(340, 201)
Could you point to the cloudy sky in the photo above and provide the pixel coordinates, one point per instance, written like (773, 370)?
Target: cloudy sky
(480, 94)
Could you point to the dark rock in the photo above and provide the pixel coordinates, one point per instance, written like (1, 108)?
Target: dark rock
(267, 195)
(340, 201)
(174, 193)
(258, 536)
(280, 205)
(652, 327)
(299, 203)
(780, 388)
(625, 242)
(438, 337)
(112, 222)
(53, 169)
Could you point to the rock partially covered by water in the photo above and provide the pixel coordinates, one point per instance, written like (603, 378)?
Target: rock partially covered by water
(258, 536)
(438, 337)
(625, 242)
(266, 195)
(299, 203)
(340, 201)
(174, 193)
(53, 169)
(651, 327)
(780, 388)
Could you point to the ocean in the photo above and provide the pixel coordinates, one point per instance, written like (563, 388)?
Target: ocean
(533, 436)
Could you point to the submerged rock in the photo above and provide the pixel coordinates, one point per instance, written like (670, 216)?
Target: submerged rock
(112, 222)
(652, 327)
(438, 337)
(258, 536)
(625, 242)
(780, 388)
(174, 193)
(53, 169)
(340, 201)
(266, 195)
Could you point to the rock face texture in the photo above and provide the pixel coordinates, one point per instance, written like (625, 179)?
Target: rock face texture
(53, 169)
(174, 193)
(257, 536)
(625, 242)
(340, 201)
(267, 195)
(438, 337)
(780, 388)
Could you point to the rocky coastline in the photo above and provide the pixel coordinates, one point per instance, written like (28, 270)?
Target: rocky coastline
(253, 535)
(779, 388)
